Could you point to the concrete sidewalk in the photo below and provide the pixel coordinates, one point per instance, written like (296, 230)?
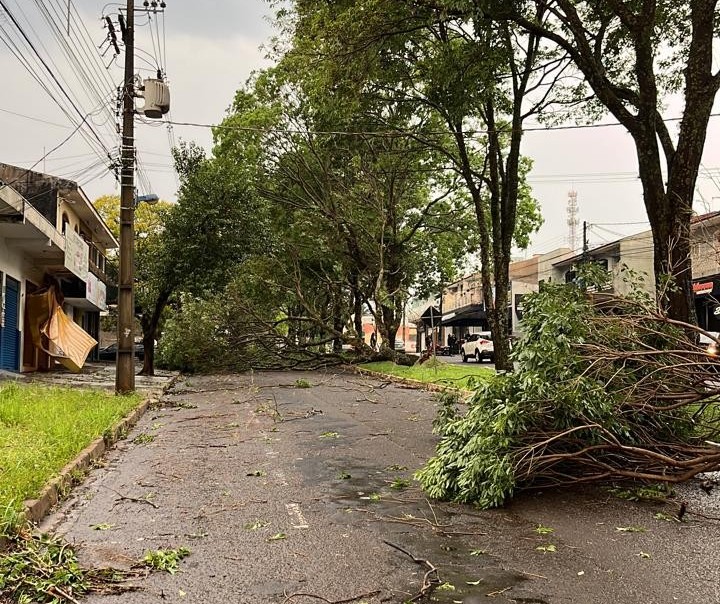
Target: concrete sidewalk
(293, 488)
(102, 376)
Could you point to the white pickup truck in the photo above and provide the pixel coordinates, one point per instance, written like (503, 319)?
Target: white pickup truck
(478, 346)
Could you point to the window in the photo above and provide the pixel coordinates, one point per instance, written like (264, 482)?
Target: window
(65, 222)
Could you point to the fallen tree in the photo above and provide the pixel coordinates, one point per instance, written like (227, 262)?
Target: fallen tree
(605, 389)
(232, 332)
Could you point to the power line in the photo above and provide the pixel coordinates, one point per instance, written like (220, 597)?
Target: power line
(35, 119)
(50, 72)
(55, 148)
(402, 133)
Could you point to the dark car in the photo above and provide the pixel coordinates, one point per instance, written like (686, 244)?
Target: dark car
(109, 353)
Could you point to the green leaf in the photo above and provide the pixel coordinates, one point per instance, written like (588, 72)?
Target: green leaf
(103, 526)
(546, 548)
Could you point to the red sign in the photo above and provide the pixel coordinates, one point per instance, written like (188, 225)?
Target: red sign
(703, 288)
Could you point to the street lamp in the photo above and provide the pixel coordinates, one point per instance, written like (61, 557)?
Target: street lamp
(152, 199)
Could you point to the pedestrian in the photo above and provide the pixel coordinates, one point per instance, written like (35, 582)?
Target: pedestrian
(428, 341)
(373, 340)
(452, 343)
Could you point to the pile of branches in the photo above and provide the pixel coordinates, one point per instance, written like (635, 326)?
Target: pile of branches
(605, 389)
(45, 569)
(217, 335)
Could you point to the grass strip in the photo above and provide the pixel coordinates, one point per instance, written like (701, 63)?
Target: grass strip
(41, 430)
(465, 376)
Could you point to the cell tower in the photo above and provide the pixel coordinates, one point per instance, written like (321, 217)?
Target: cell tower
(572, 219)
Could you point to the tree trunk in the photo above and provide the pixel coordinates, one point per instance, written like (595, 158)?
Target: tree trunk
(148, 338)
(150, 324)
(669, 206)
(357, 304)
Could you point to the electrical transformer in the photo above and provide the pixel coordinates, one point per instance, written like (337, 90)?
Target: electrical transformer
(157, 98)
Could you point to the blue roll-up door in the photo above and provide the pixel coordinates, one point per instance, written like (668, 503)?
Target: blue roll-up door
(10, 332)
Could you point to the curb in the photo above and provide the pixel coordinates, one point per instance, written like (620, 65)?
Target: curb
(410, 382)
(58, 487)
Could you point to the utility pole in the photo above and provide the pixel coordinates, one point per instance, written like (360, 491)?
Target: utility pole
(586, 248)
(125, 368)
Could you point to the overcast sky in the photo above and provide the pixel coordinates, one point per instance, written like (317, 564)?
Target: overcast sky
(211, 49)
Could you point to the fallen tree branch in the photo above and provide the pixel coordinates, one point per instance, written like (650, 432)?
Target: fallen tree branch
(431, 579)
(298, 594)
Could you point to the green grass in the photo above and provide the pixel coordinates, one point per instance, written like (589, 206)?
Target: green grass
(41, 430)
(436, 372)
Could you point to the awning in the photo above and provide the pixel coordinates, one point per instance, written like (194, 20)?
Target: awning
(468, 316)
(55, 333)
(431, 317)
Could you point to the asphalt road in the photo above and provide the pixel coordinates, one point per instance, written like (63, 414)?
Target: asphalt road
(456, 359)
(288, 494)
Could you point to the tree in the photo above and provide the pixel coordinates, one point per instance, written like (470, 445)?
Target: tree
(149, 233)
(362, 209)
(460, 73)
(633, 55)
(192, 246)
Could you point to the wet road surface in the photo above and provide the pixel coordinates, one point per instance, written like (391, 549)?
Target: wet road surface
(290, 494)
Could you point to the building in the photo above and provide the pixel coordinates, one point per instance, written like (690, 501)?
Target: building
(705, 253)
(629, 262)
(526, 277)
(49, 232)
(463, 309)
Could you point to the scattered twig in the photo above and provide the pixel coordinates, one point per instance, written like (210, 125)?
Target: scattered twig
(122, 497)
(533, 575)
(431, 579)
(299, 594)
(195, 417)
(691, 513)
(56, 591)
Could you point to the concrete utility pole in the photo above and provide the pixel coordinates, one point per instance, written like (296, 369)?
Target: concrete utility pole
(125, 367)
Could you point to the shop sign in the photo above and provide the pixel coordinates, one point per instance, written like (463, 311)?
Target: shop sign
(77, 253)
(95, 292)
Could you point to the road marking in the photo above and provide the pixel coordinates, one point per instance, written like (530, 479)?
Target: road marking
(297, 515)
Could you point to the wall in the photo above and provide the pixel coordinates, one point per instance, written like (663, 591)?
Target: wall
(12, 264)
(464, 292)
(705, 249)
(518, 290)
(64, 207)
(545, 270)
(636, 253)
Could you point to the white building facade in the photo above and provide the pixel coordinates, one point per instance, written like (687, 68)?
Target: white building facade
(49, 233)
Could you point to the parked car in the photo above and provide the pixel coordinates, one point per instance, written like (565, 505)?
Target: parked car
(399, 345)
(478, 346)
(109, 353)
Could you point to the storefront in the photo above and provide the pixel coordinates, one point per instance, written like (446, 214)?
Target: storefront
(707, 303)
